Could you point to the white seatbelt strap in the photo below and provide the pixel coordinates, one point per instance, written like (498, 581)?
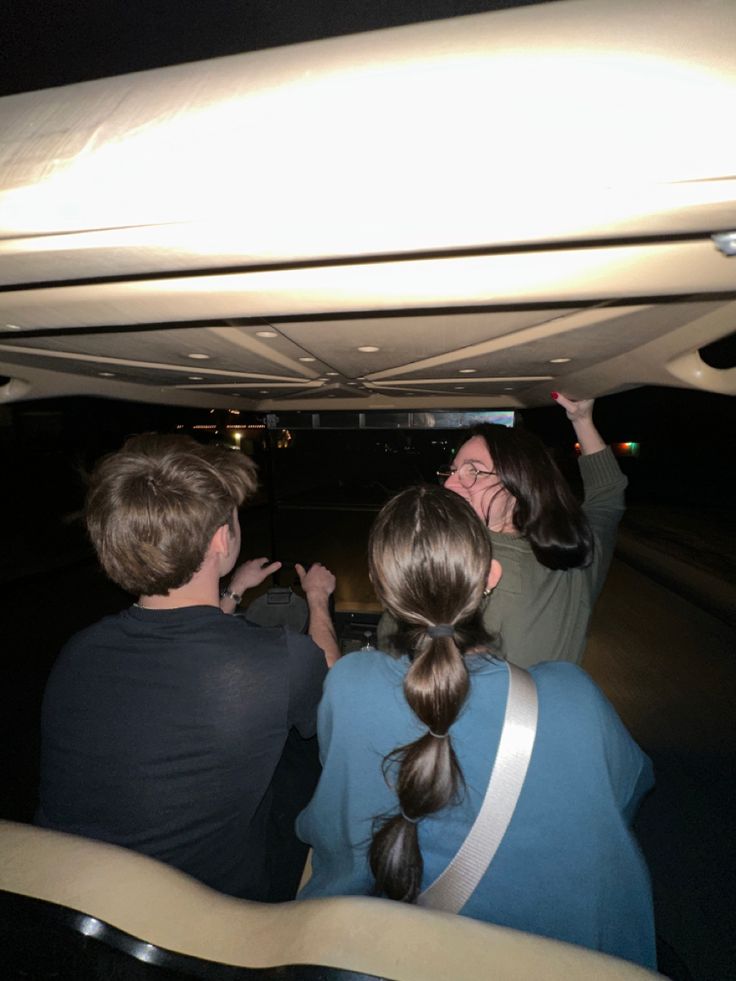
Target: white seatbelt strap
(454, 887)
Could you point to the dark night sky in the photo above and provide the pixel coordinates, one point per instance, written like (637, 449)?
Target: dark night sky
(56, 42)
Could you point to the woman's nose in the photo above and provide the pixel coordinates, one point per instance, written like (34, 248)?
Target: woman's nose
(452, 483)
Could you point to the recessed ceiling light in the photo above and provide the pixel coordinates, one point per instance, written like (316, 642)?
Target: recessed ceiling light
(266, 333)
(559, 360)
(13, 327)
(263, 391)
(195, 378)
(368, 349)
(106, 374)
(307, 359)
(352, 383)
(459, 388)
(468, 371)
(199, 357)
(331, 373)
(509, 388)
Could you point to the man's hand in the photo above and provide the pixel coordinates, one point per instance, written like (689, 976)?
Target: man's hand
(252, 573)
(319, 581)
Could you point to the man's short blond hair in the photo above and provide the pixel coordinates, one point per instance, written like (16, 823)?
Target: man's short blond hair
(154, 505)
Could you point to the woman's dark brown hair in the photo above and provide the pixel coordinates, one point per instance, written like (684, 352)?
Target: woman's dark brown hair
(546, 511)
(429, 557)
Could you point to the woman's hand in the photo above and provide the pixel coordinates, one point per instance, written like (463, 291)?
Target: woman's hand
(575, 410)
(252, 573)
(580, 414)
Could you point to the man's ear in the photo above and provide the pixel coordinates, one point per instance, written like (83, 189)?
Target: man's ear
(494, 574)
(220, 543)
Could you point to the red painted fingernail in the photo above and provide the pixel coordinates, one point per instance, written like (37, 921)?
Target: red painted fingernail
(555, 395)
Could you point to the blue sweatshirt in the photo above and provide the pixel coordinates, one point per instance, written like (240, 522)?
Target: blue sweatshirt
(568, 867)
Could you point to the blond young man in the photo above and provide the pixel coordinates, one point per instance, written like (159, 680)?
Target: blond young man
(163, 726)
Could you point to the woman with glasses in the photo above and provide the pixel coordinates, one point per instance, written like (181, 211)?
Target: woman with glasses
(554, 552)
(408, 742)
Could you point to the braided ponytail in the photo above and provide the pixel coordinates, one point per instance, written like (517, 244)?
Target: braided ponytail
(429, 556)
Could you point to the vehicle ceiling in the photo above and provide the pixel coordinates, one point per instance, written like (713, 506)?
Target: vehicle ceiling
(498, 205)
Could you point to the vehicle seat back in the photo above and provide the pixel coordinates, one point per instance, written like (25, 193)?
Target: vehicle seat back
(76, 909)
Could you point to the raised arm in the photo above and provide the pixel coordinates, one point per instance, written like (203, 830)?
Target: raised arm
(603, 484)
(318, 585)
(580, 414)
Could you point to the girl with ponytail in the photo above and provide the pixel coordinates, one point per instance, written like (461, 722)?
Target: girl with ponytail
(433, 586)
(408, 740)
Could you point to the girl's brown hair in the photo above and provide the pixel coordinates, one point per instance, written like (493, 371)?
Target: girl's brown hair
(429, 557)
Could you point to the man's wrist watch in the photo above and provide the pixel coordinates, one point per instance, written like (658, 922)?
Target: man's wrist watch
(229, 594)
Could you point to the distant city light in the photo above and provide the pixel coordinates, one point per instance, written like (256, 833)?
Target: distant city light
(626, 449)
(620, 449)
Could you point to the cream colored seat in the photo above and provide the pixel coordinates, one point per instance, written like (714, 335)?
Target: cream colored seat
(136, 918)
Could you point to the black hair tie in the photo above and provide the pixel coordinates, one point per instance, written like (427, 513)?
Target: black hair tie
(441, 630)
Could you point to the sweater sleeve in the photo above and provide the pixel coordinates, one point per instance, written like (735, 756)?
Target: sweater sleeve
(604, 505)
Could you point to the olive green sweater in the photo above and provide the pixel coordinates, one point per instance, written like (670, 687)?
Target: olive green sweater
(542, 614)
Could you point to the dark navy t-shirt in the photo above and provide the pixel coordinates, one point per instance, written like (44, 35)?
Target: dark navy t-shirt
(161, 732)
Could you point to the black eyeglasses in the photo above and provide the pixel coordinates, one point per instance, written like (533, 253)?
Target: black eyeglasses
(467, 474)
